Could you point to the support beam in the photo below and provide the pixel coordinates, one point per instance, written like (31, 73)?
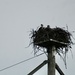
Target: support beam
(38, 67)
(59, 70)
(44, 63)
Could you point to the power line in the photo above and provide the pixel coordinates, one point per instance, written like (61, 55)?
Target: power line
(20, 62)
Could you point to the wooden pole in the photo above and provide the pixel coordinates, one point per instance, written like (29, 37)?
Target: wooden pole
(51, 61)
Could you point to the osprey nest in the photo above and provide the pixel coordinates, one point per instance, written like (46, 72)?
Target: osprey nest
(45, 37)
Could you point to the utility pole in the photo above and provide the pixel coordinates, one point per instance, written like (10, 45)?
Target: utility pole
(51, 61)
(52, 65)
(54, 40)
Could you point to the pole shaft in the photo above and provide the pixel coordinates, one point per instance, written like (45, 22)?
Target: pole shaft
(51, 62)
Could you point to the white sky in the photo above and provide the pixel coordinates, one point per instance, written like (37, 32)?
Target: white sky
(17, 18)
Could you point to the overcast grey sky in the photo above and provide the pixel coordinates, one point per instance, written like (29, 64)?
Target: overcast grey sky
(17, 18)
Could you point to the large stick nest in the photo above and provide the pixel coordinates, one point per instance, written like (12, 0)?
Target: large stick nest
(42, 37)
(45, 37)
